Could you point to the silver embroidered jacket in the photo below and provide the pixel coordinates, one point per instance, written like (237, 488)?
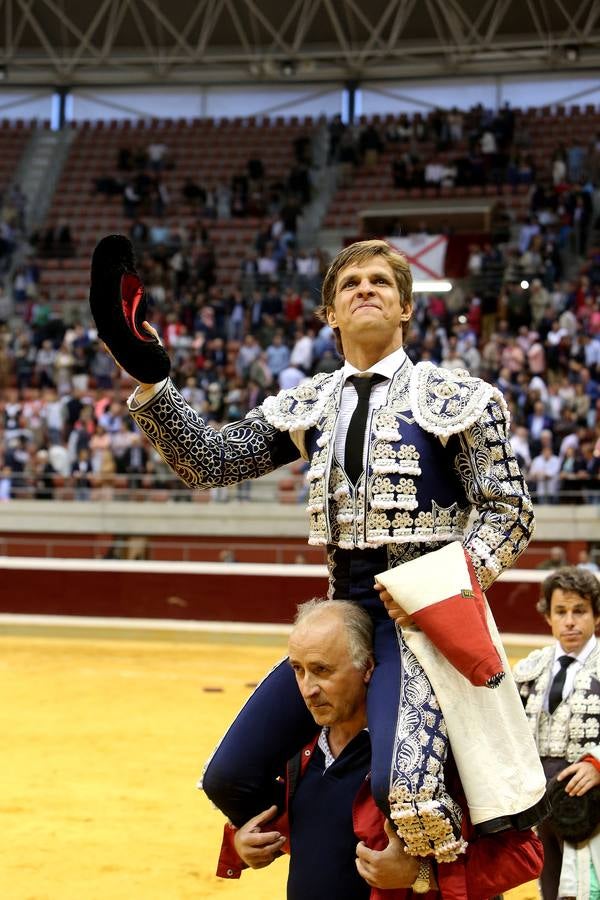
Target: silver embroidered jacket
(573, 730)
(439, 467)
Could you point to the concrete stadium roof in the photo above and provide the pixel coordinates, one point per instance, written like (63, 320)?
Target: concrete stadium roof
(102, 42)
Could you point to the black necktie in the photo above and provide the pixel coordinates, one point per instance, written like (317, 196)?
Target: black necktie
(355, 436)
(558, 684)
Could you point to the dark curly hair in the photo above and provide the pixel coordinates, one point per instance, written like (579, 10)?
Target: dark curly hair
(575, 580)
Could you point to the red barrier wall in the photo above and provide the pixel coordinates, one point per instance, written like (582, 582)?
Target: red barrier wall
(218, 597)
(232, 598)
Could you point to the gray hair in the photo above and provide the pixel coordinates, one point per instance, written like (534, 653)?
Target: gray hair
(358, 624)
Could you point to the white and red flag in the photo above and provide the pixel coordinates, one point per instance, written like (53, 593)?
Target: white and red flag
(426, 254)
(441, 593)
(455, 639)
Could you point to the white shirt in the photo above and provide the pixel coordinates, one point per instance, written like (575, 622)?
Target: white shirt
(302, 353)
(545, 472)
(387, 367)
(573, 669)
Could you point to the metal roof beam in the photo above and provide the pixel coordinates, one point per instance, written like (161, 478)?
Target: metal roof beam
(28, 16)
(239, 27)
(269, 27)
(339, 32)
(305, 18)
(176, 35)
(403, 14)
(213, 11)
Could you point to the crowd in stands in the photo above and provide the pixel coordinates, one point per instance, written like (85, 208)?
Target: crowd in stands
(515, 319)
(474, 148)
(12, 226)
(141, 177)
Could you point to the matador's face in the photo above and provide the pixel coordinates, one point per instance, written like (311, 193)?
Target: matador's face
(367, 302)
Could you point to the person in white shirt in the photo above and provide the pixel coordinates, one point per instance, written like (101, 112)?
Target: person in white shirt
(302, 351)
(544, 471)
(560, 687)
(519, 441)
(290, 377)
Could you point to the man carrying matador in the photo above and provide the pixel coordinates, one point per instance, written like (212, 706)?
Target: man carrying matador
(418, 499)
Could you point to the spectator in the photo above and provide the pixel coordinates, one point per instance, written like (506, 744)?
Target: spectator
(42, 476)
(302, 352)
(82, 471)
(557, 558)
(291, 377)
(247, 354)
(520, 445)
(193, 193)
(537, 422)
(157, 155)
(573, 472)
(277, 355)
(131, 200)
(544, 476)
(585, 561)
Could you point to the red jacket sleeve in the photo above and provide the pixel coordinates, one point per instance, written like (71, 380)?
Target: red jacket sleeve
(230, 865)
(491, 865)
(499, 862)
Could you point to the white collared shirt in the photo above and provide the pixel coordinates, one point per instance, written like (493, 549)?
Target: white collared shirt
(387, 367)
(573, 669)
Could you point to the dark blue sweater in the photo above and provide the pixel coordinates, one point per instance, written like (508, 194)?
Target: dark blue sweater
(322, 839)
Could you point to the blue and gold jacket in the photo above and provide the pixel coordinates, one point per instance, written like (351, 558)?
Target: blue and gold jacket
(439, 467)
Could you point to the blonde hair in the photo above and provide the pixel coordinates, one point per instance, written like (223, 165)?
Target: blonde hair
(357, 253)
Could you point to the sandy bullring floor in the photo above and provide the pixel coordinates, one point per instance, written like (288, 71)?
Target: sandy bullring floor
(102, 743)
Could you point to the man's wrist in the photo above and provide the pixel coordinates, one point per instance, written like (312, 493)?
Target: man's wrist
(593, 761)
(423, 882)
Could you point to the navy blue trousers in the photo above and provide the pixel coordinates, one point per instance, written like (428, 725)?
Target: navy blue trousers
(275, 724)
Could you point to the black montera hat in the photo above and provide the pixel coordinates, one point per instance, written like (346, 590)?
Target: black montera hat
(574, 818)
(118, 303)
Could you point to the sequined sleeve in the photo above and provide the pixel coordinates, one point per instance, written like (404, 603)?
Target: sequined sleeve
(204, 457)
(493, 482)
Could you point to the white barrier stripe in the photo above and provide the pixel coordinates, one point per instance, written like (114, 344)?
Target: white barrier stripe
(120, 623)
(525, 640)
(171, 567)
(155, 567)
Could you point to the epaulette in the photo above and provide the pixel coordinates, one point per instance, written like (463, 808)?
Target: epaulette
(533, 665)
(446, 402)
(300, 408)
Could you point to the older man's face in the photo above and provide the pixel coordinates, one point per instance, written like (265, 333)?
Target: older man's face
(333, 689)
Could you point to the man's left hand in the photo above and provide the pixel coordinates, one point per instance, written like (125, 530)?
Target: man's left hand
(584, 776)
(389, 868)
(394, 611)
(255, 847)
